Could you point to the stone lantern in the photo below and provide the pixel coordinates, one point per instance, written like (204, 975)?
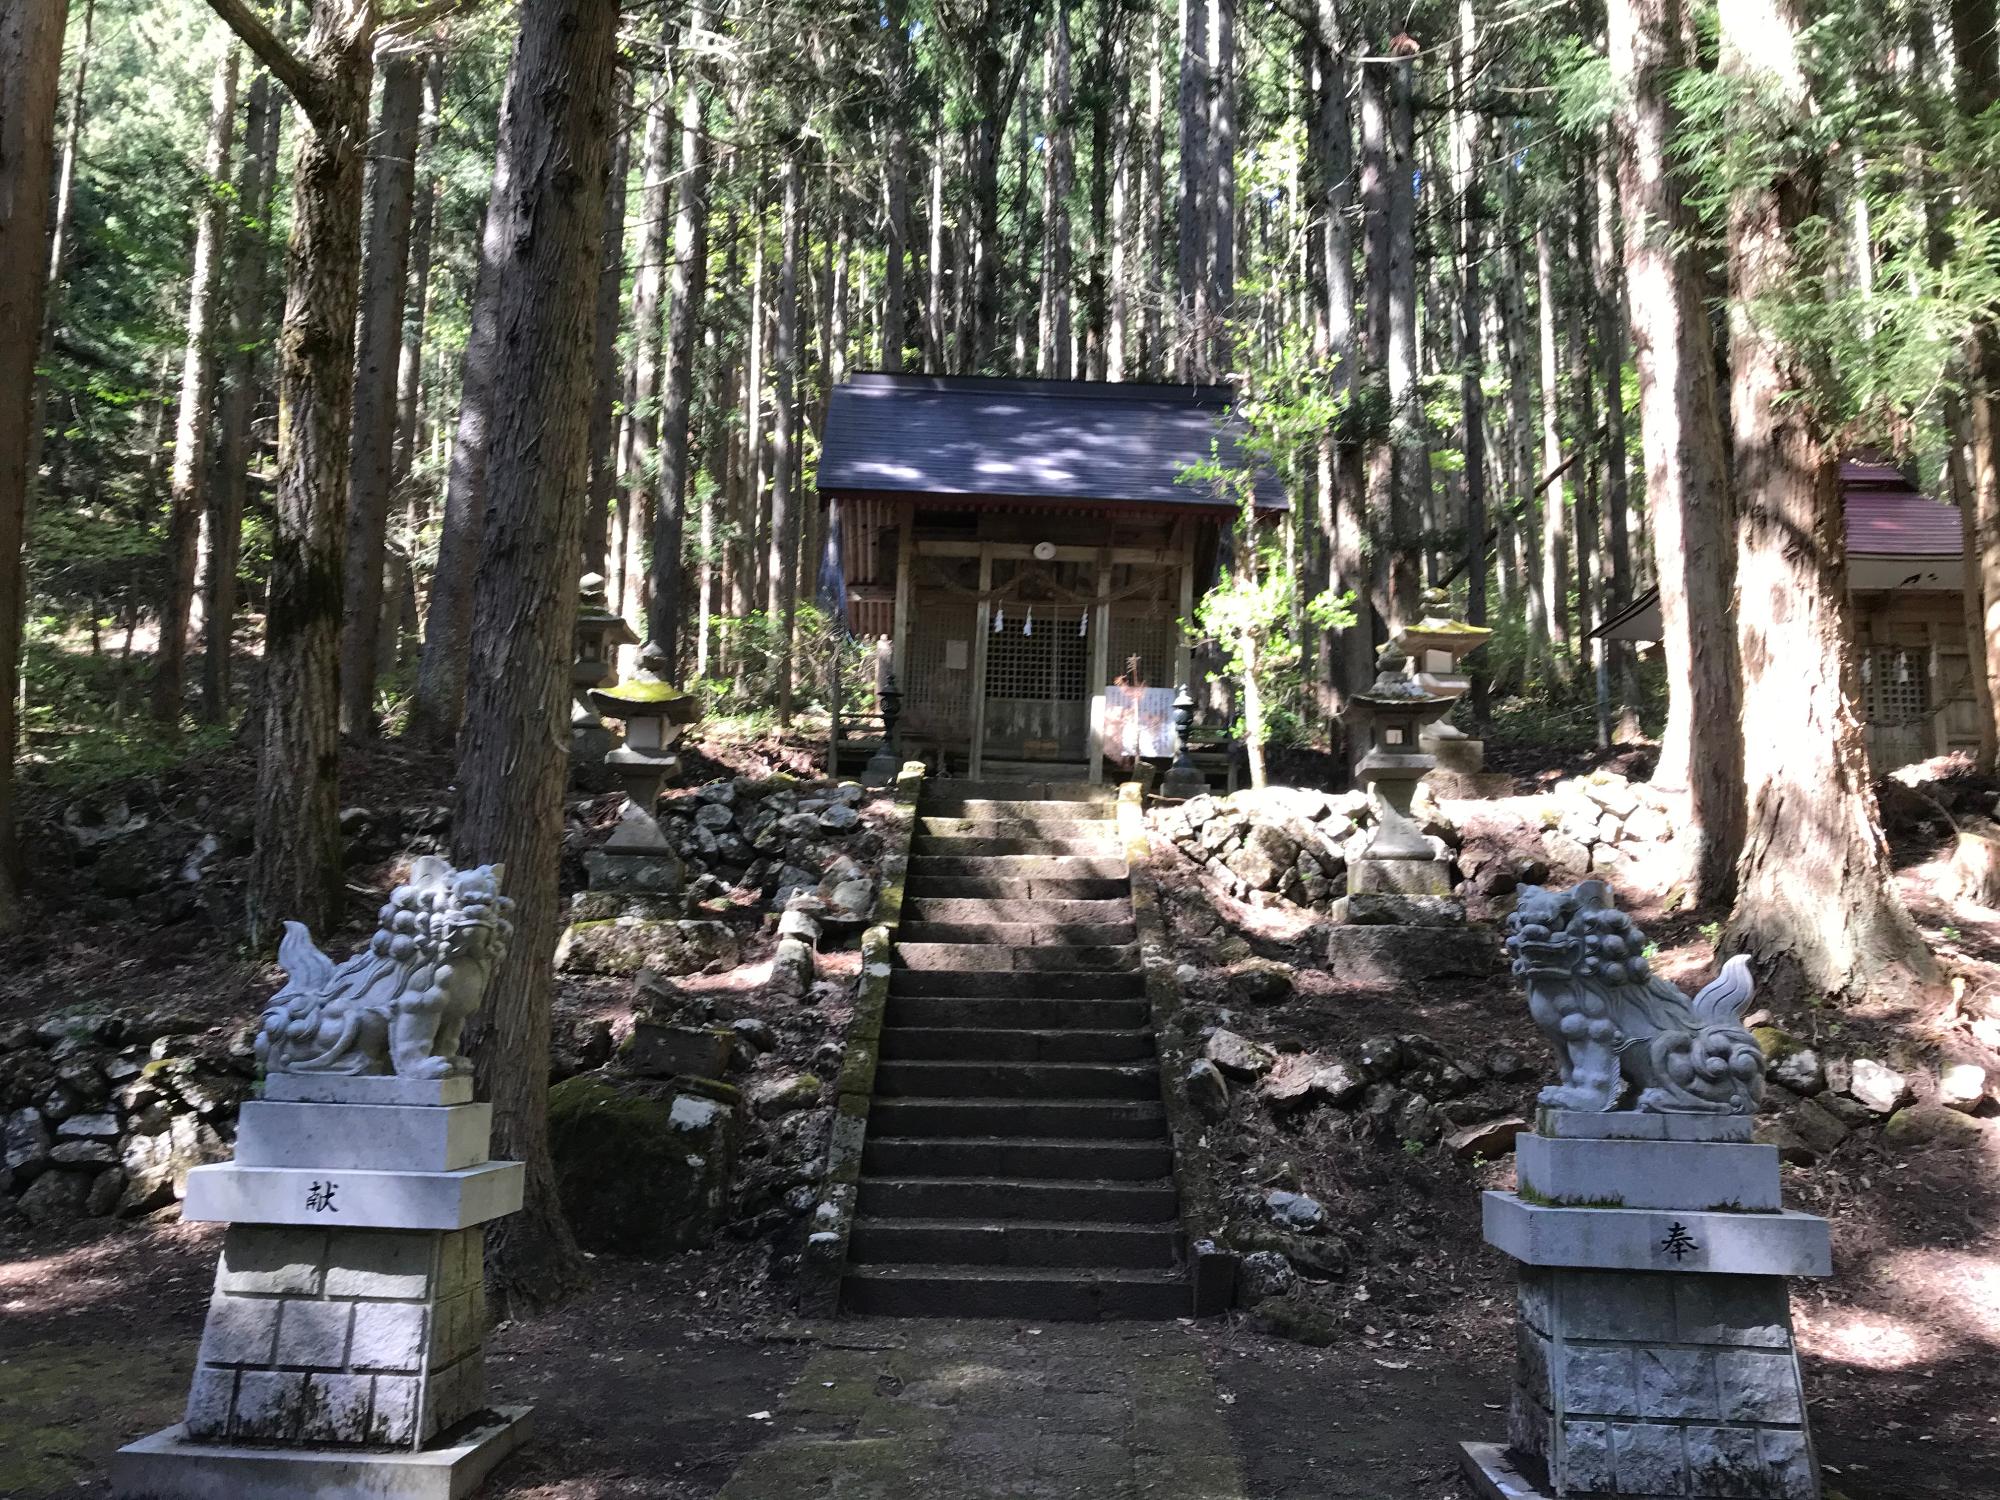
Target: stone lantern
(600, 631)
(1436, 645)
(1184, 778)
(639, 856)
(883, 765)
(1400, 859)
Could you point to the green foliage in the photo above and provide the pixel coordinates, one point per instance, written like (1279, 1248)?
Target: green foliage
(1879, 348)
(1253, 612)
(750, 646)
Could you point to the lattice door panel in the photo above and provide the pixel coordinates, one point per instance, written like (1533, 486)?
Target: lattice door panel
(1152, 638)
(1037, 699)
(1896, 700)
(936, 677)
(1895, 685)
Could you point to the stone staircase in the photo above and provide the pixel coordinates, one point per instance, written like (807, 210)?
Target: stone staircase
(1017, 1161)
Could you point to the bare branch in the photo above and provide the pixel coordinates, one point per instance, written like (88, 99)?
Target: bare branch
(424, 15)
(284, 63)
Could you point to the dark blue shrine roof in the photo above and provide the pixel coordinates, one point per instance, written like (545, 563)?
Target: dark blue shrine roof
(1034, 441)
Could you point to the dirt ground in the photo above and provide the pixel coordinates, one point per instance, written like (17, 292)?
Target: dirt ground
(661, 1379)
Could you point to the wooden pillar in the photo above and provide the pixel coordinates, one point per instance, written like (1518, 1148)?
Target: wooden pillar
(906, 555)
(1100, 662)
(1939, 736)
(1183, 649)
(982, 631)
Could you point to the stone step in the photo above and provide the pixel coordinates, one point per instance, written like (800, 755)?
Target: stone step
(1038, 788)
(1045, 1294)
(1012, 1012)
(933, 1079)
(1044, 1243)
(981, 845)
(999, 809)
(1016, 958)
(1100, 984)
(1064, 827)
(918, 909)
(1021, 934)
(1016, 889)
(972, 1044)
(1094, 1119)
(1018, 1157)
(1017, 867)
(1017, 1198)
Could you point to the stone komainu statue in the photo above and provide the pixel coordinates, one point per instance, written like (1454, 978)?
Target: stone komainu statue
(1614, 1023)
(399, 1005)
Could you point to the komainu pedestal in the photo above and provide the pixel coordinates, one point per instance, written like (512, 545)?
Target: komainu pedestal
(1654, 1338)
(343, 1352)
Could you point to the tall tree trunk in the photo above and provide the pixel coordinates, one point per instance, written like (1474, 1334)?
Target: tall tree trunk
(1191, 282)
(1555, 498)
(65, 194)
(1152, 196)
(1610, 314)
(1975, 29)
(1471, 195)
(1409, 431)
(556, 126)
(1122, 144)
(995, 80)
(1221, 162)
(197, 403)
(604, 361)
(934, 302)
(896, 186)
(689, 286)
(250, 272)
(783, 578)
(295, 869)
(635, 521)
(1110, 90)
(31, 50)
(1687, 483)
(399, 625)
(756, 510)
(438, 705)
(392, 190)
(1062, 176)
(1816, 897)
(1343, 490)
(1583, 402)
(1036, 248)
(423, 226)
(1375, 410)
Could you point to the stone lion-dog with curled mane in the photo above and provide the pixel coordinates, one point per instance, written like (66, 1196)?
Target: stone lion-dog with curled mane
(1614, 1023)
(399, 1006)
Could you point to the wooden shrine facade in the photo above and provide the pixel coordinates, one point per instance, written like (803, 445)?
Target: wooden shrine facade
(1028, 550)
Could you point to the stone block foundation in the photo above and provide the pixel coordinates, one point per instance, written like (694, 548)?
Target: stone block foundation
(341, 1337)
(1651, 1384)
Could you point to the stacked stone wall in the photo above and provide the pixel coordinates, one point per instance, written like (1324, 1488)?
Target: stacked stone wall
(1660, 1385)
(365, 1337)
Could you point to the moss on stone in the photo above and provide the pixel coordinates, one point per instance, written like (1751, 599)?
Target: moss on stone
(640, 1169)
(1777, 1043)
(60, 1416)
(1528, 1193)
(643, 692)
(857, 1069)
(1298, 1320)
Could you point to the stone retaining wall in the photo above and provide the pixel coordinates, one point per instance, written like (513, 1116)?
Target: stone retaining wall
(825, 1257)
(1203, 1211)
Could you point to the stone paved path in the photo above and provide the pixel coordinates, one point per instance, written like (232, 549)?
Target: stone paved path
(916, 1410)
